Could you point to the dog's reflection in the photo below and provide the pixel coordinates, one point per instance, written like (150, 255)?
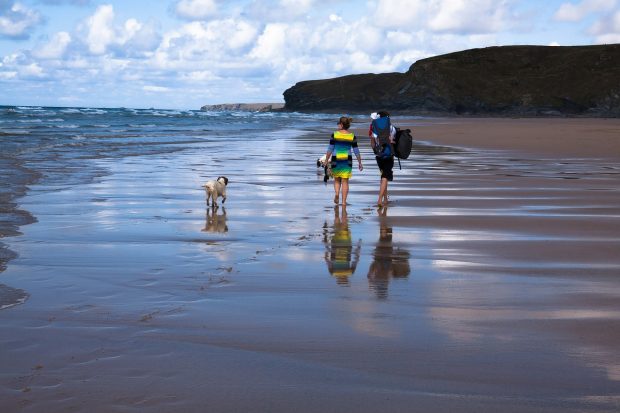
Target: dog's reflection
(340, 254)
(215, 222)
(388, 262)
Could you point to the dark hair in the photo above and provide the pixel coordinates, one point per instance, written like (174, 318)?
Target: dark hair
(345, 122)
(383, 114)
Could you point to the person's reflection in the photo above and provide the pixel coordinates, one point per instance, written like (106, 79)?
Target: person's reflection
(215, 222)
(388, 262)
(340, 255)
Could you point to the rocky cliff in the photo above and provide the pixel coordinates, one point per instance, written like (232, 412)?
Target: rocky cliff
(507, 80)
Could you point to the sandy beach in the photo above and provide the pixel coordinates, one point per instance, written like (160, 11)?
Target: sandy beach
(490, 283)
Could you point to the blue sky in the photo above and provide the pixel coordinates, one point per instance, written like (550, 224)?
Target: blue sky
(185, 53)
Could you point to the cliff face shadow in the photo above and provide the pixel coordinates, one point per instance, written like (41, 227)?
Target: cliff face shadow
(341, 255)
(388, 261)
(214, 222)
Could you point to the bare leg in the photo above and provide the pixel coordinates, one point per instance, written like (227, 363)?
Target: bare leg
(345, 191)
(383, 192)
(337, 189)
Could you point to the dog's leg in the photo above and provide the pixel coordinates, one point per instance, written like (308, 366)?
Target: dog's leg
(208, 196)
(223, 197)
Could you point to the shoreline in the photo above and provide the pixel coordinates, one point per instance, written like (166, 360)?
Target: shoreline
(16, 180)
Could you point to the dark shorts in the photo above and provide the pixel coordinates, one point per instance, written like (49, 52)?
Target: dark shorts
(385, 166)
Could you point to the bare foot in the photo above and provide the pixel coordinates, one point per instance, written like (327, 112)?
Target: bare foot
(336, 199)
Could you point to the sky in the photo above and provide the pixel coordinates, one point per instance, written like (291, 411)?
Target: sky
(182, 54)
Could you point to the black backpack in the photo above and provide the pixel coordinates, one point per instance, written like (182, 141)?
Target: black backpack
(403, 143)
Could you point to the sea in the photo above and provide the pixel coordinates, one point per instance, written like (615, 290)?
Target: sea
(60, 142)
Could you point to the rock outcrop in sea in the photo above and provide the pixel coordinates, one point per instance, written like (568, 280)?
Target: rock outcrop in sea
(501, 81)
(243, 107)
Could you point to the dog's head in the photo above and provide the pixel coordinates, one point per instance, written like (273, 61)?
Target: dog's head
(223, 180)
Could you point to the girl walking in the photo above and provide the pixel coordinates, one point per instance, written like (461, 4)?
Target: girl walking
(341, 144)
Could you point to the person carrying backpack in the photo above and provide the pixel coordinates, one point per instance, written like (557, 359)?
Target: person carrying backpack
(382, 137)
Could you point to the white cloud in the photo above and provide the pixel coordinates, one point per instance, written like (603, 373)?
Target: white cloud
(158, 89)
(55, 48)
(131, 38)
(212, 45)
(196, 9)
(273, 42)
(284, 11)
(398, 13)
(607, 30)
(469, 17)
(199, 76)
(16, 19)
(136, 37)
(294, 8)
(60, 2)
(450, 16)
(571, 12)
(100, 32)
(8, 75)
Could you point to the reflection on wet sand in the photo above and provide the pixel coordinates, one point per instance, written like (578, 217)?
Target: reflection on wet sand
(215, 222)
(10, 296)
(388, 262)
(340, 255)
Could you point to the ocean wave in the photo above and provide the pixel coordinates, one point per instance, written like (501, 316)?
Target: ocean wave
(9, 132)
(90, 111)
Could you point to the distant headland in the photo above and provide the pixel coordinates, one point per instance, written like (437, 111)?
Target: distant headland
(496, 81)
(243, 107)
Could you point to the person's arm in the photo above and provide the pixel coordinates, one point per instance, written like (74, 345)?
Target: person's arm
(357, 153)
(330, 149)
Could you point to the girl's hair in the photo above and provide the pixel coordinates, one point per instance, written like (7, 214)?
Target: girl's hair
(345, 122)
(383, 114)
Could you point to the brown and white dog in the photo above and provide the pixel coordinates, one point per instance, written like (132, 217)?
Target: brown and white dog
(215, 189)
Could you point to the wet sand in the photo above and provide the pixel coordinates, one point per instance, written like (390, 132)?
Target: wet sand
(490, 283)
